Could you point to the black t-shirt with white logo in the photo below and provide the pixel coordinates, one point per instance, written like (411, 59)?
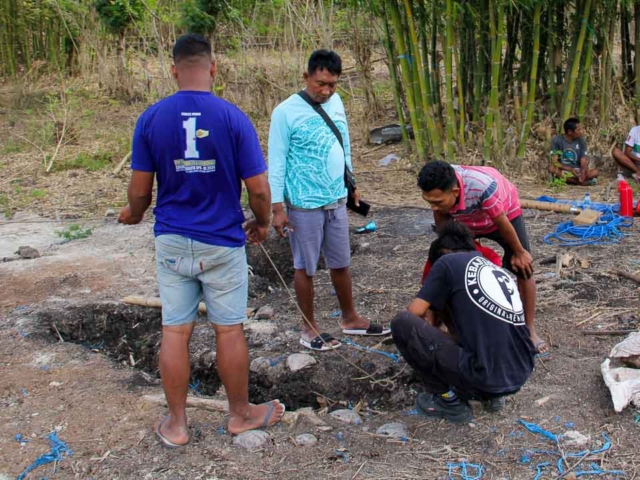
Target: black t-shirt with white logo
(497, 353)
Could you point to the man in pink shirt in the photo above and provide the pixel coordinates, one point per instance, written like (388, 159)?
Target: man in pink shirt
(487, 203)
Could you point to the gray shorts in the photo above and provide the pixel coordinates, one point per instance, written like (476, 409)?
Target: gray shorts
(315, 231)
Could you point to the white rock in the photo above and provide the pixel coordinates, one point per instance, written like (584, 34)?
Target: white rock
(252, 439)
(260, 365)
(325, 428)
(306, 440)
(298, 361)
(394, 429)
(110, 213)
(576, 439)
(55, 384)
(265, 313)
(347, 416)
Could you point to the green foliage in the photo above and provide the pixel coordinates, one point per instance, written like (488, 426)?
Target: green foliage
(201, 16)
(74, 232)
(92, 162)
(558, 184)
(117, 15)
(38, 193)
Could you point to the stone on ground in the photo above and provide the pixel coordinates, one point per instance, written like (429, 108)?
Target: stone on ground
(28, 252)
(298, 361)
(394, 430)
(265, 313)
(576, 439)
(252, 439)
(347, 416)
(306, 440)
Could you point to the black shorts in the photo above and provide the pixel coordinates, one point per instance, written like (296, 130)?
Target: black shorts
(521, 231)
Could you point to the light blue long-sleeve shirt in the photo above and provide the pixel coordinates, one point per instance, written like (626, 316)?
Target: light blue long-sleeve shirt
(306, 161)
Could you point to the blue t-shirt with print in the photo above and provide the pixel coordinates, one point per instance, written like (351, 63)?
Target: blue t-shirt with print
(200, 148)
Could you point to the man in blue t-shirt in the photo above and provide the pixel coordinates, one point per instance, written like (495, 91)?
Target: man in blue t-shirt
(201, 148)
(492, 354)
(306, 174)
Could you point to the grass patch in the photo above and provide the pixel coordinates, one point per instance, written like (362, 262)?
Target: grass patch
(38, 193)
(85, 161)
(74, 232)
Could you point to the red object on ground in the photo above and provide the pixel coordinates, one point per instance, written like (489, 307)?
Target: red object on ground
(488, 253)
(626, 198)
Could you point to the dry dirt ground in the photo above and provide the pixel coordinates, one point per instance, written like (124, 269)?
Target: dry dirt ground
(86, 387)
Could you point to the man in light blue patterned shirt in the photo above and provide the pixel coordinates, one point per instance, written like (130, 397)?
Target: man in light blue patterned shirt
(308, 193)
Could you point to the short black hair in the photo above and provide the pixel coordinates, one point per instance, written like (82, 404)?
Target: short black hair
(570, 124)
(437, 175)
(454, 237)
(325, 60)
(191, 45)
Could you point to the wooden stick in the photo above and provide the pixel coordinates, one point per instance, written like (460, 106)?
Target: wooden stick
(624, 274)
(154, 302)
(548, 206)
(122, 163)
(611, 332)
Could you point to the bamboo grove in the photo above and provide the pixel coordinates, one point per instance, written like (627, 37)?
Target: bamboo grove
(495, 67)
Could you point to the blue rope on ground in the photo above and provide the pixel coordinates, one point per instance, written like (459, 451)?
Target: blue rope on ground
(465, 474)
(539, 468)
(58, 449)
(606, 231)
(393, 356)
(538, 430)
(595, 470)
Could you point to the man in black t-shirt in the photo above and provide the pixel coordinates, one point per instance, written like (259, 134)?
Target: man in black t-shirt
(492, 355)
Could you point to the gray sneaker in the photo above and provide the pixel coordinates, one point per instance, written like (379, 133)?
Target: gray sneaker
(495, 404)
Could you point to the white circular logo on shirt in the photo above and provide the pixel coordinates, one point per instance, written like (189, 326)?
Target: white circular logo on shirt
(493, 290)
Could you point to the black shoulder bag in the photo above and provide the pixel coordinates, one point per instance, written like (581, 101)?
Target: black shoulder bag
(349, 179)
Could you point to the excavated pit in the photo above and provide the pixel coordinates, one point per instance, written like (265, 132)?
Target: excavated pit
(131, 337)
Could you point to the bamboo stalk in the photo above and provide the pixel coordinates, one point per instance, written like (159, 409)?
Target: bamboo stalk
(393, 74)
(524, 134)
(405, 70)
(586, 76)
(448, 79)
(461, 97)
(575, 66)
(433, 131)
(636, 10)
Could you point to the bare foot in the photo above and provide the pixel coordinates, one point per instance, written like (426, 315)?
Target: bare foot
(354, 322)
(171, 434)
(257, 416)
(309, 335)
(539, 344)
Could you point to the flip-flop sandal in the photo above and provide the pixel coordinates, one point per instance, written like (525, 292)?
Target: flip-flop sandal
(164, 440)
(540, 354)
(374, 330)
(321, 343)
(270, 410)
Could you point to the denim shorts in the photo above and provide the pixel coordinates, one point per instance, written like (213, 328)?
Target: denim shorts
(189, 271)
(315, 231)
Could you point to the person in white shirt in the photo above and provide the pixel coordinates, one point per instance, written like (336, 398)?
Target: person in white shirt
(629, 159)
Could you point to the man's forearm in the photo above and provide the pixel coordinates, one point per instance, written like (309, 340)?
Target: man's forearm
(138, 204)
(509, 234)
(260, 204)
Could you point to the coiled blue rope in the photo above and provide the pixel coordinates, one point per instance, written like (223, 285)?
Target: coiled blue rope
(606, 231)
